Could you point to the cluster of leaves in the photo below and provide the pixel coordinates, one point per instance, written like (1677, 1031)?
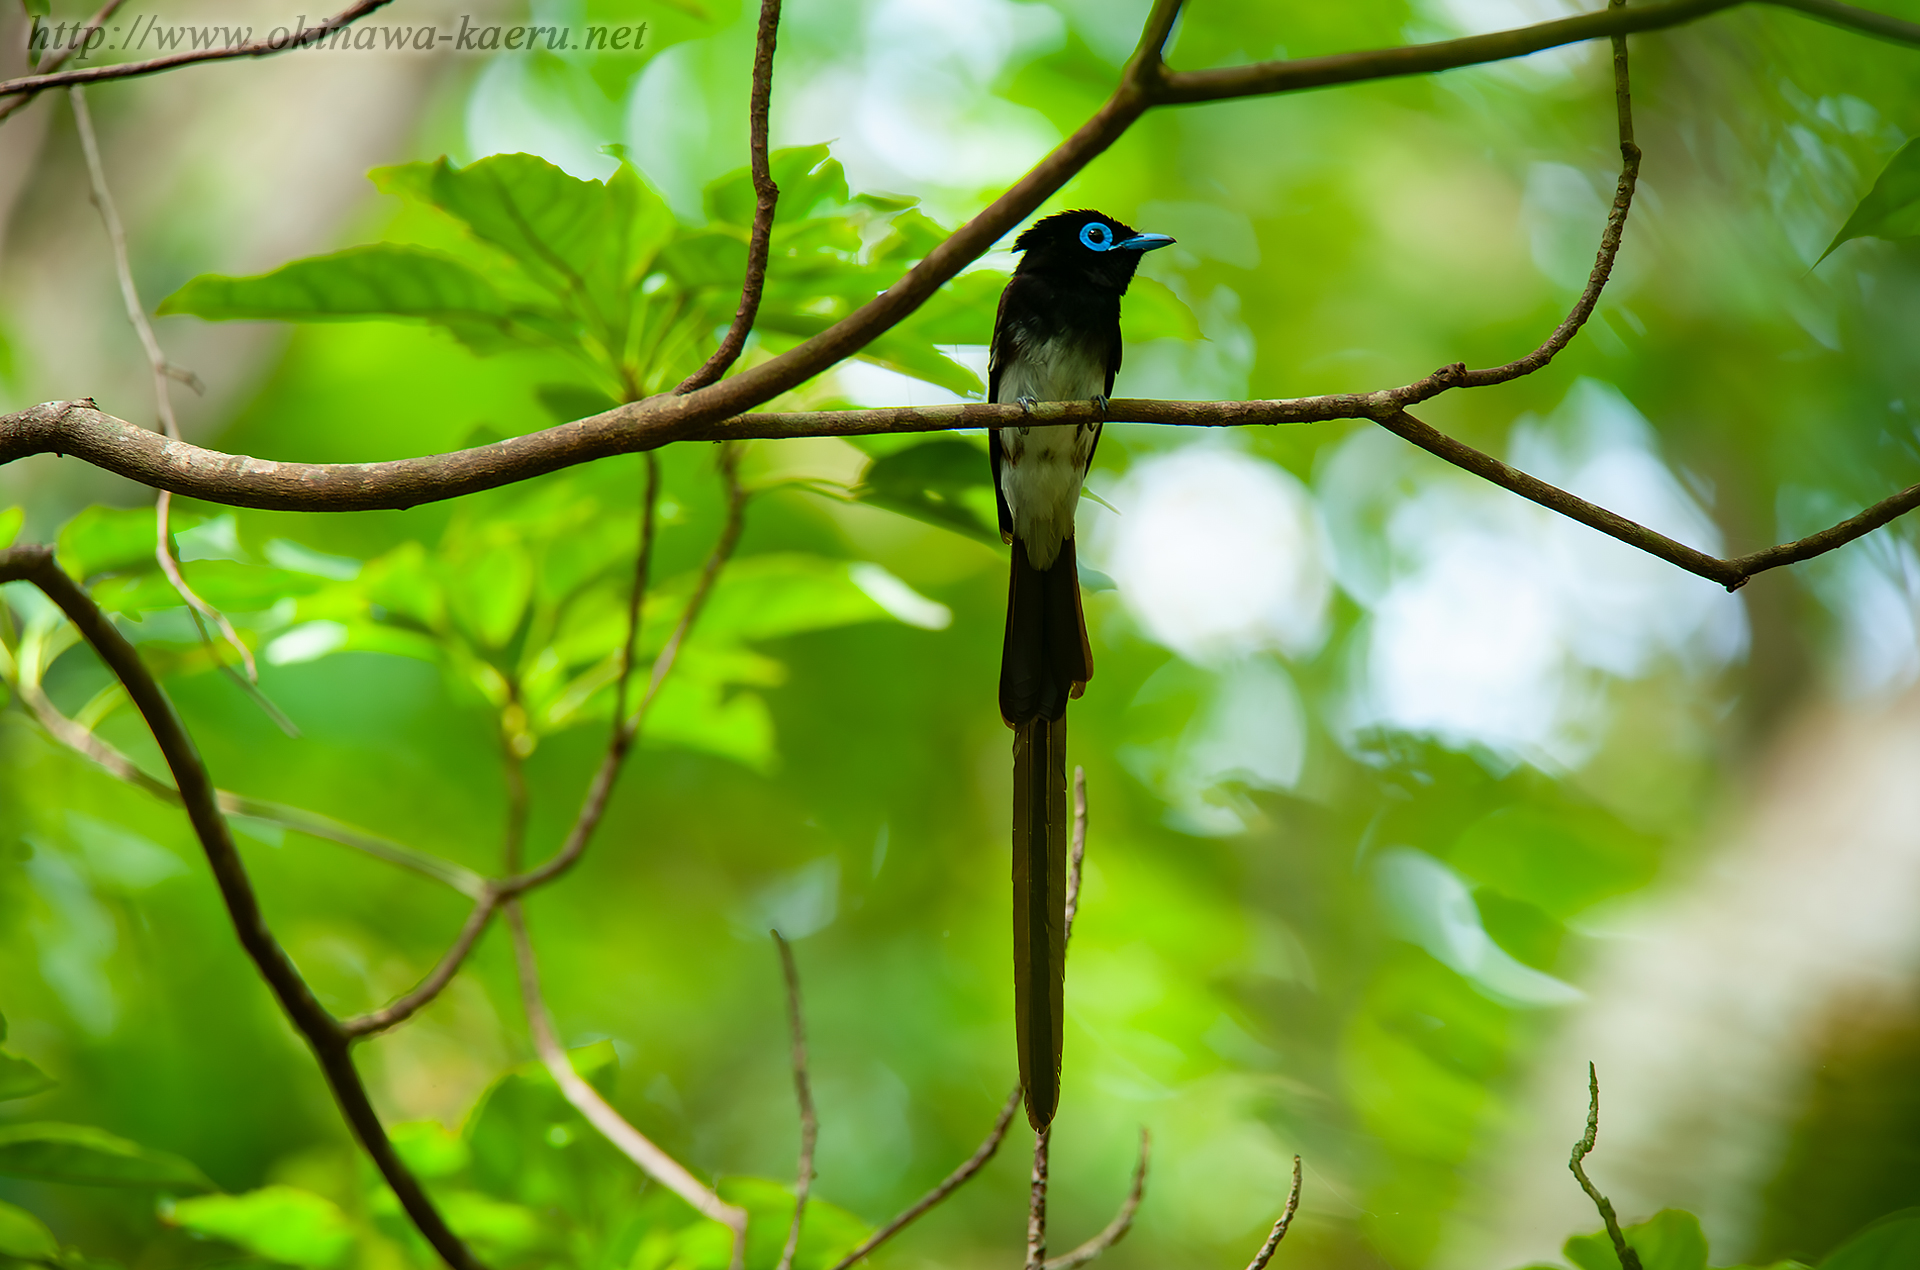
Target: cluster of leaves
(522, 255)
(526, 1181)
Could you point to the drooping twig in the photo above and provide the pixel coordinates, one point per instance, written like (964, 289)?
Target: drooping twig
(402, 1008)
(1629, 1259)
(1122, 1222)
(636, 1146)
(74, 43)
(948, 1185)
(766, 197)
(803, 1093)
(330, 1045)
(162, 394)
(1037, 1203)
(1279, 1232)
(1077, 855)
(153, 65)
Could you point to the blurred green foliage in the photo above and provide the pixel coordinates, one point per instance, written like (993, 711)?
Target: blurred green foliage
(1363, 971)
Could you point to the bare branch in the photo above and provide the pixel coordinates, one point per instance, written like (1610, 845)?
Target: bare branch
(59, 57)
(803, 1092)
(1122, 1222)
(161, 372)
(951, 1183)
(633, 1144)
(1077, 855)
(153, 65)
(628, 730)
(1265, 1254)
(1037, 1203)
(766, 196)
(35, 564)
(1629, 1259)
(405, 1007)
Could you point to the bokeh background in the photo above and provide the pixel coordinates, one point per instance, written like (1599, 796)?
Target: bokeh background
(1409, 798)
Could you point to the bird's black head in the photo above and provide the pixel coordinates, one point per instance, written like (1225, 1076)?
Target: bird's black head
(1088, 245)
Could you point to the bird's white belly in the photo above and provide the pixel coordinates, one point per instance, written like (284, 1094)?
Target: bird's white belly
(1043, 466)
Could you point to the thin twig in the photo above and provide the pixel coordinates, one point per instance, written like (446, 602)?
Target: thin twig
(1122, 1222)
(626, 732)
(330, 1045)
(1629, 1259)
(948, 1185)
(1078, 854)
(1037, 1203)
(766, 196)
(1265, 1254)
(803, 1093)
(633, 1144)
(253, 48)
(162, 394)
(405, 1007)
(74, 43)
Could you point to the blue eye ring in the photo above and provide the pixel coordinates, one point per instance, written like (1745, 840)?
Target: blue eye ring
(1103, 241)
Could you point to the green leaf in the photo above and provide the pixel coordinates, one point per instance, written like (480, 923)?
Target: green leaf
(807, 177)
(828, 1233)
(21, 1079)
(1559, 861)
(84, 1155)
(1669, 1240)
(381, 280)
(962, 311)
(1152, 311)
(112, 539)
(1891, 208)
(495, 1228)
(24, 1235)
(283, 1223)
(784, 593)
(567, 402)
(10, 522)
(935, 481)
(430, 1149)
(1892, 1243)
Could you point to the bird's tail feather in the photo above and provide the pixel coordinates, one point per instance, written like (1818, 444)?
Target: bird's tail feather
(1039, 908)
(1045, 662)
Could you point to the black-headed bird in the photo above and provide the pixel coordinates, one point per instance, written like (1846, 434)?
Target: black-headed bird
(1056, 338)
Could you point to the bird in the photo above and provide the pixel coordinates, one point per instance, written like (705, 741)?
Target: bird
(1056, 337)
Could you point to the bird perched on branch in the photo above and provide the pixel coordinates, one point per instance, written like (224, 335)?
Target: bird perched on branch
(1056, 338)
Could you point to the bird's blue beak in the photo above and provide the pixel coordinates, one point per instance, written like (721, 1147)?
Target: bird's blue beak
(1144, 242)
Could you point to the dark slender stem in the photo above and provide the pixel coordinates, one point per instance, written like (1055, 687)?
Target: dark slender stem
(1280, 1227)
(803, 1093)
(1629, 1259)
(1037, 1203)
(948, 1185)
(153, 65)
(323, 1033)
(1122, 1222)
(766, 196)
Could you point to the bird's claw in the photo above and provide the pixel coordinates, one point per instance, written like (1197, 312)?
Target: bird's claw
(1028, 403)
(1101, 403)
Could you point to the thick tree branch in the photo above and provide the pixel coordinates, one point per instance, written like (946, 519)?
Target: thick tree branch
(35, 564)
(154, 65)
(1122, 1222)
(633, 1144)
(766, 196)
(948, 1185)
(803, 1094)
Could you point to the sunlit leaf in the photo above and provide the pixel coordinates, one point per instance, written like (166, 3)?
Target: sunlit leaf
(105, 539)
(1891, 208)
(1669, 1240)
(826, 1233)
(283, 1223)
(55, 1152)
(429, 1148)
(21, 1079)
(11, 521)
(495, 1227)
(26, 1236)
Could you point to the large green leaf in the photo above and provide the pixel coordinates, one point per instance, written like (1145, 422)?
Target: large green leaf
(1669, 1240)
(1891, 208)
(110, 539)
(1152, 311)
(283, 1223)
(1892, 1243)
(26, 1236)
(21, 1079)
(81, 1154)
(380, 280)
(937, 482)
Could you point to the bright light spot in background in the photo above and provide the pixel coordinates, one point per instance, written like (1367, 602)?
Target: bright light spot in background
(1217, 555)
(1429, 905)
(1480, 17)
(508, 112)
(1873, 587)
(1492, 617)
(899, 599)
(1220, 557)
